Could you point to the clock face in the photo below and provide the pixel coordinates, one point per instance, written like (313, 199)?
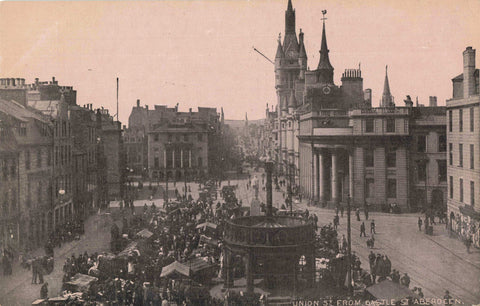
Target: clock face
(326, 90)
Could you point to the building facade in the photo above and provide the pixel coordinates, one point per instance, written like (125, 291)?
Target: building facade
(336, 145)
(163, 143)
(463, 137)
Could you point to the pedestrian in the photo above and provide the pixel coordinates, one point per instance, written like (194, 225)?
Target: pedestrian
(468, 243)
(357, 213)
(371, 261)
(34, 270)
(405, 280)
(341, 210)
(44, 291)
(344, 244)
(447, 298)
(362, 230)
(395, 276)
(420, 222)
(336, 222)
(372, 227)
(366, 211)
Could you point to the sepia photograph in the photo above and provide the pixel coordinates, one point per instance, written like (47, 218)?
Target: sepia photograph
(237, 153)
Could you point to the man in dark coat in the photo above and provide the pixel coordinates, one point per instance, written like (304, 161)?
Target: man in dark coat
(34, 270)
(362, 230)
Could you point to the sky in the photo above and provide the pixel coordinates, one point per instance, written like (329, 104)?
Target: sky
(200, 53)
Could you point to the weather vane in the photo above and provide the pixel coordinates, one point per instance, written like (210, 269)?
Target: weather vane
(324, 12)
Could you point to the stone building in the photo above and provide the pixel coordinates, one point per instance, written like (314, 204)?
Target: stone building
(27, 165)
(336, 145)
(163, 142)
(463, 137)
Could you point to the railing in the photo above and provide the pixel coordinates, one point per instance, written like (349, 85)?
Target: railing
(381, 111)
(291, 232)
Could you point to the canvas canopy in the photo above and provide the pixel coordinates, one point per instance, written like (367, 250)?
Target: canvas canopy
(79, 282)
(175, 268)
(130, 249)
(389, 290)
(145, 233)
(207, 224)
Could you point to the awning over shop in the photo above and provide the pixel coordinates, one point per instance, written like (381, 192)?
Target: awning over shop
(468, 210)
(389, 290)
(129, 250)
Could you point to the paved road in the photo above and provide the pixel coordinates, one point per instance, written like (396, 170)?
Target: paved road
(434, 263)
(17, 288)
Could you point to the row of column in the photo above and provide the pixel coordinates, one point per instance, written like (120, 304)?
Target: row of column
(181, 158)
(319, 175)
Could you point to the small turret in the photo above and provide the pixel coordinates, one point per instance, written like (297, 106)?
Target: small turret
(325, 68)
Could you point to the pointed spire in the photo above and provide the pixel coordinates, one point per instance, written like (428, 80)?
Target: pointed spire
(301, 53)
(280, 53)
(289, 6)
(324, 58)
(387, 99)
(289, 18)
(324, 66)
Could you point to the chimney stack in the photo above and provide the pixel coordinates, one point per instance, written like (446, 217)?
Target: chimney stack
(432, 101)
(138, 102)
(468, 72)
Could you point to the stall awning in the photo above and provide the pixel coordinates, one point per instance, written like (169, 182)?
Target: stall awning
(145, 233)
(468, 210)
(132, 247)
(389, 290)
(198, 264)
(175, 267)
(207, 224)
(80, 282)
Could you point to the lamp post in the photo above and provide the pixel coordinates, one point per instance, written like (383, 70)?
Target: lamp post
(349, 248)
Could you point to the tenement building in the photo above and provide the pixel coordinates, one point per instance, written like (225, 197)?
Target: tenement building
(174, 145)
(338, 146)
(463, 137)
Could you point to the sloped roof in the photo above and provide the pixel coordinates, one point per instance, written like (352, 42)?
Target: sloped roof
(460, 76)
(198, 264)
(20, 112)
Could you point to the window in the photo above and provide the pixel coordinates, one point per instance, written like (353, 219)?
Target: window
(421, 143)
(450, 121)
(200, 162)
(39, 158)
(442, 143)
(49, 157)
(27, 160)
(472, 193)
(451, 187)
(155, 137)
(391, 188)
(391, 158)
(185, 137)
(421, 170)
(5, 169)
(460, 120)
(472, 157)
(169, 137)
(368, 158)
(22, 131)
(472, 116)
(156, 163)
(369, 125)
(391, 125)
(450, 154)
(369, 188)
(442, 170)
(13, 168)
(200, 137)
(460, 155)
(461, 190)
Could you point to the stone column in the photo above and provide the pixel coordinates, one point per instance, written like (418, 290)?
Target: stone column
(350, 173)
(189, 158)
(173, 159)
(321, 167)
(315, 177)
(165, 159)
(181, 158)
(334, 177)
(229, 269)
(249, 272)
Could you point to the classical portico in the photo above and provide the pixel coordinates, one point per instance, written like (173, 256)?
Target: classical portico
(332, 173)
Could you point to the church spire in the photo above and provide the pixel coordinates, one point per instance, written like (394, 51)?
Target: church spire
(387, 99)
(324, 66)
(280, 53)
(289, 18)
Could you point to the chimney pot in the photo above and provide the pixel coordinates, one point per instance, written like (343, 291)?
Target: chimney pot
(138, 102)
